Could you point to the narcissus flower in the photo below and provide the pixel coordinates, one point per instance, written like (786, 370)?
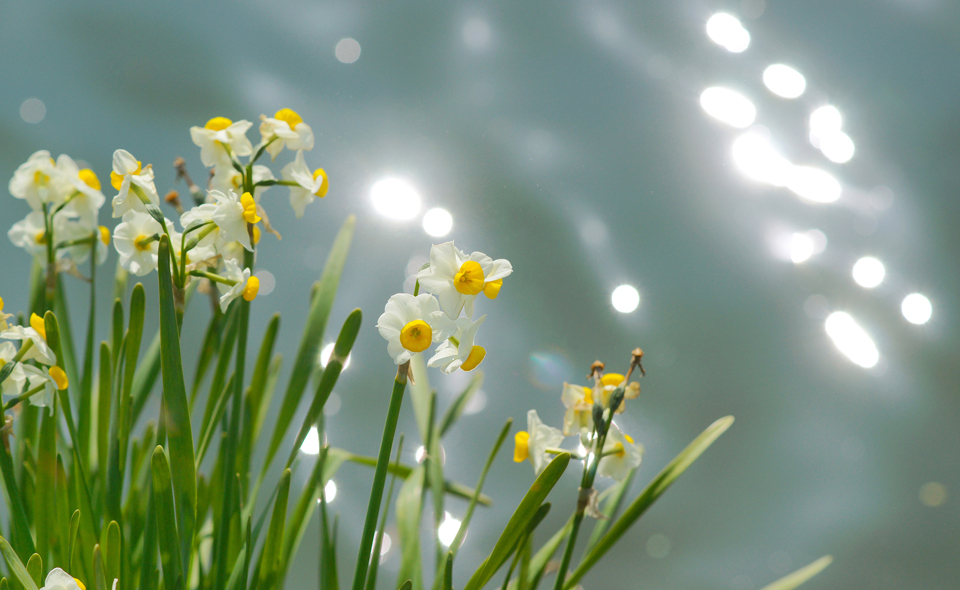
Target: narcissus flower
(3, 316)
(32, 181)
(58, 579)
(218, 133)
(410, 324)
(127, 172)
(37, 335)
(69, 230)
(232, 214)
(533, 443)
(579, 403)
(309, 184)
(288, 129)
(456, 279)
(243, 285)
(13, 384)
(30, 233)
(609, 382)
(82, 189)
(132, 239)
(459, 351)
(225, 178)
(621, 455)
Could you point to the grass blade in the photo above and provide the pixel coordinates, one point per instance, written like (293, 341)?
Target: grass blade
(35, 568)
(455, 410)
(17, 570)
(654, 490)
(409, 512)
(614, 499)
(378, 543)
(44, 519)
(173, 573)
(104, 397)
(403, 472)
(462, 532)
(270, 558)
(791, 581)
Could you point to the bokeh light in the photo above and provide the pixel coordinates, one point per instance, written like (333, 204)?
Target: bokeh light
(825, 120)
(868, 272)
(851, 339)
(395, 198)
(448, 529)
(347, 50)
(933, 494)
(330, 491)
(916, 308)
(325, 353)
(311, 444)
(725, 30)
(837, 147)
(784, 81)
(437, 222)
(801, 247)
(33, 110)
(625, 298)
(814, 184)
(756, 158)
(728, 106)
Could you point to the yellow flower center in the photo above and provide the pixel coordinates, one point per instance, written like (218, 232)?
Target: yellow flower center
(105, 235)
(89, 178)
(322, 191)
(140, 243)
(40, 178)
(416, 336)
(613, 379)
(256, 234)
(618, 450)
(629, 439)
(587, 396)
(235, 181)
(59, 377)
(1, 303)
(288, 116)
(469, 280)
(40, 237)
(79, 583)
(492, 289)
(252, 288)
(36, 322)
(218, 124)
(475, 358)
(116, 180)
(249, 208)
(521, 446)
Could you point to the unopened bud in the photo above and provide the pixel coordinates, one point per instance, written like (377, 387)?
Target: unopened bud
(596, 369)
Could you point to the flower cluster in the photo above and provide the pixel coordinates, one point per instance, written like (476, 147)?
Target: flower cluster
(225, 219)
(62, 227)
(453, 280)
(38, 381)
(589, 417)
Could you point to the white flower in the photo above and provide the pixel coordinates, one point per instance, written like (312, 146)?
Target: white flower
(200, 215)
(309, 184)
(13, 384)
(45, 377)
(610, 382)
(70, 229)
(457, 279)
(244, 285)
(626, 455)
(232, 214)
(82, 187)
(58, 579)
(288, 129)
(225, 178)
(462, 355)
(30, 234)
(3, 317)
(220, 132)
(579, 403)
(409, 324)
(533, 443)
(32, 181)
(36, 333)
(126, 171)
(137, 257)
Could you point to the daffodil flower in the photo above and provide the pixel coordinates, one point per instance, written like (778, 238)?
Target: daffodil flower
(32, 181)
(217, 136)
(609, 383)
(459, 351)
(30, 233)
(238, 283)
(579, 403)
(134, 241)
(309, 184)
(52, 380)
(36, 336)
(58, 579)
(3, 317)
(13, 384)
(285, 128)
(411, 323)
(456, 279)
(620, 455)
(128, 177)
(533, 443)
(232, 214)
(226, 177)
(82, 188)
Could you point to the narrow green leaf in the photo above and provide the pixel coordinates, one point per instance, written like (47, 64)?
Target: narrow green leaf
(408, 585)
(149, 576)
(409, 509)
(448, 572)
(433, 465)
(649, 495)
(4, 584)
(112, 553)
(173, 574)
(455, 410)
(72, 543)
(518, 523)
(86, 380)
(145, 377)
(328, 550)
(35, 568)
(270, 557)
(177, 416)
(44, 519)
(211, 343)
(99, 577)
(18, 514)
(17, 570)
(794, 580)
(209, 429)
(612, 499)
(62, 498)
(225, 354)
(233, 582)
(104, 401)
(320, 307)
(66, 357)
(420, 394)
(117, 329)
(378, 542)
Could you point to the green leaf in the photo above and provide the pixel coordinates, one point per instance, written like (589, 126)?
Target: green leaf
(328, 549)
(18, 513)
(117, 329)
(258, 397)
(146, 375)
(100, 580)
(654, 490)
(270, 558)
(448, 572)
(409, 508)
(217, 389)
(44, 519)
(211, 343)
(62, 498)
(35, 568)
(17, 570)
(104, 401)
(794, 580)
(378, 541)
(408, 585)
(455, 410)
(614, 499)
(320, 307)
(112, 554)
(518, 523)
(420, 394)
(173, 574)
(72, 543)
(66, 357)
(208, 430)
(538, 564)
(177, 416)
(86, 383)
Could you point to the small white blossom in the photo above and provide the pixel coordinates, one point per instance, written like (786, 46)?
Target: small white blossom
(626, 455)
(39, 350)
(288, 129)
(410, 324)
(30, 234)
(309, 184)
(220, 132)
(230, 216)
(579, 403)
(136, 256)
(32, 181)
(533, 443)
(450, 357)
(226, 178)
(127, 171)
(82, 188)
(58, 579)
(13, 384)
(456, 279)
(245, 285)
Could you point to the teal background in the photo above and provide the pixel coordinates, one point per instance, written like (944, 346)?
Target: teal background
(572, 143)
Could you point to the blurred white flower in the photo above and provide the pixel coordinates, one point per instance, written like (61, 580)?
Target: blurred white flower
(533, 443)
(289, 130)
(13, 384)
(624, 455)
(244, 284)
(32, 180)
(309, 184)
(82, 188)
(410, 324)
(218, 134)
(127, 171)
(579, 403)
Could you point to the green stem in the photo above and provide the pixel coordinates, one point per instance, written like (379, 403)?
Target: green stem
(379, 477)
(212, 276)
(51, 286)
(23, 396)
